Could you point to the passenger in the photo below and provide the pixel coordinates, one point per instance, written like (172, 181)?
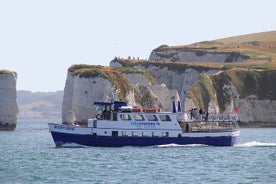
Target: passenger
(200, 114)
(207, 116)
(195, 113)
(187, 128)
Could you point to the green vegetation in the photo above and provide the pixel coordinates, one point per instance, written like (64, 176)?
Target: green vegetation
(262, 37)
(254, 82)
(202, 92)
(87, 71)
(246, 82)
(6, 72)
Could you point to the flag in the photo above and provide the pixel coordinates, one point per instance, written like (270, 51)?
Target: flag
(237, 110)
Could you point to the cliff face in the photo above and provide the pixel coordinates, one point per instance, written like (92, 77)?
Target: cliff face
(175, 76)
(87, 84)
(79, 96)
(8, 104)
(215, 90)
(252, 92)
(171, 54)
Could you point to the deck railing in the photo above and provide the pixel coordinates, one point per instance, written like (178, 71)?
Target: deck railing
(212, 117)
(210, 126)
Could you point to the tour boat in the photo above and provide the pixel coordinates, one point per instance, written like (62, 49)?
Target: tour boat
(118, 124)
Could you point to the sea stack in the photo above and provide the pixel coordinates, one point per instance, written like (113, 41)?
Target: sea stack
(8, 104)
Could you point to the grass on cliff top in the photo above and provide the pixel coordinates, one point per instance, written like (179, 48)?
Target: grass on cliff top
(260, 47)
(200, 66)
(269, 36)
(6, 72)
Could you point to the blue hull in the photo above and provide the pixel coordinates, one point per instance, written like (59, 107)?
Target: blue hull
(107, 141)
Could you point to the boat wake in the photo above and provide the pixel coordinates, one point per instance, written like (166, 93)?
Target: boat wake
(72, 145)
(178, 145)
(256, 144)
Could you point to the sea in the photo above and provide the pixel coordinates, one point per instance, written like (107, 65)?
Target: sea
(28, 155)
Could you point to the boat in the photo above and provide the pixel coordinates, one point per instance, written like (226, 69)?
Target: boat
(118, 125)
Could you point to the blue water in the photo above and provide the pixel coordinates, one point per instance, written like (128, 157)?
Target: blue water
(28, 155)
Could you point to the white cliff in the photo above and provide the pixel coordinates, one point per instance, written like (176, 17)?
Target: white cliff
(163, 95)
(80, 93)
(251, 108)
(8, 104)
(254, 110)
(79, 96)
(168, 54)
(179, 81)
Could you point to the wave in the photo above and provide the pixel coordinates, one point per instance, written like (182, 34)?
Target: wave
(256, 144)
(248, 144)
(73, 145)
(178, 145)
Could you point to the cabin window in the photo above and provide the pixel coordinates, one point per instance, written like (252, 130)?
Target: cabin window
(164, 117)
(151, 117)
(125, 117)
(145, 134)
(165, 134)
(124, 133)
(155, 134)
(115, 133)
(114, 116)
(138, 117)
(134, 134)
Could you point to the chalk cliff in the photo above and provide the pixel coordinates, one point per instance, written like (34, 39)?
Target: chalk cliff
(194, 54)
(156, 84)
(8, 104)
(86, 84)
(175, 76)
(217, 90)
(252, 92)
(219, 76)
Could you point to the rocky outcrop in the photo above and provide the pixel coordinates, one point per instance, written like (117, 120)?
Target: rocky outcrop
(79, 96)
(87, 84)
(251, 92)
(191, 54)
(175, 76)
(8, 104)
(218, 91)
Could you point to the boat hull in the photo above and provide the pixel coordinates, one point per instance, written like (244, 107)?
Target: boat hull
(62, 139)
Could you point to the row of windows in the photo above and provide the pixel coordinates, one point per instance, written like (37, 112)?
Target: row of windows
(149, 117)
(144, 134)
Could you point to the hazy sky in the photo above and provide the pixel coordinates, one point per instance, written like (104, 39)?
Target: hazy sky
(40, 40)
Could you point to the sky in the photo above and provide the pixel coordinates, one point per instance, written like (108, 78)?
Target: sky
(41, 39)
